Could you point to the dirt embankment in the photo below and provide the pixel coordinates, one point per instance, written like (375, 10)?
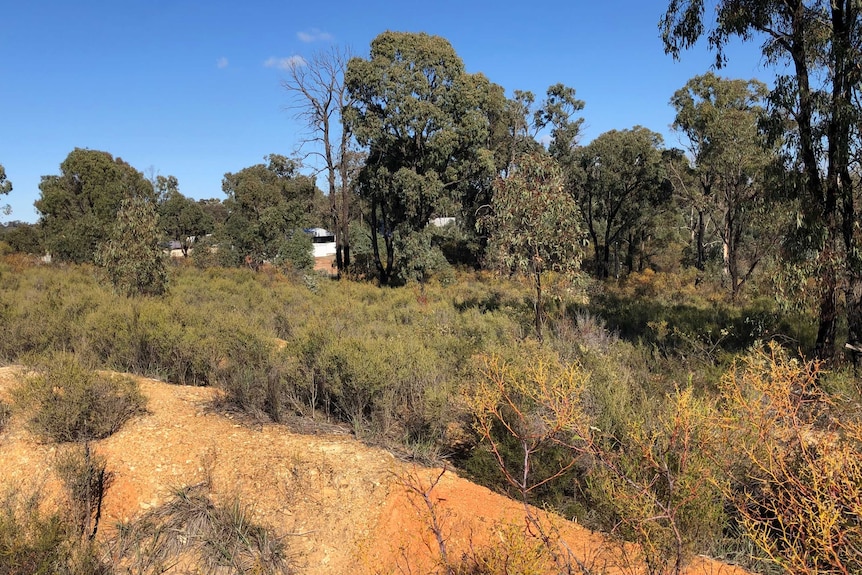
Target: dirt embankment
(343, 506)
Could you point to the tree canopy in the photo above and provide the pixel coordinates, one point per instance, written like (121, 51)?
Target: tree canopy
(182, 219)
(719, 118)
(622, 184)
(534, 224)
(78, 207)
(815, 48)
(5, 187)
(421, 116)
(268, 204)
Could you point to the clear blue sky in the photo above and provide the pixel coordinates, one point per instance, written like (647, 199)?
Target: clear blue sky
(192, 88)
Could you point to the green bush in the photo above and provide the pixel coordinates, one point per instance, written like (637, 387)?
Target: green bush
(73, 403)
(30, 542)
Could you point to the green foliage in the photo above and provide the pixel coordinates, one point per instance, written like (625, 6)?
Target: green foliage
(266, 204)
(132, 256)
(534, 225)
(422, 258)
(295, 251)
(424, 121)
(36, 542)
(79, 206)
(719, 118)
(73, 403)
(31, 543)
(620, 186)
(23, 238)
(5, 185)
(182, 218)
(5, 188)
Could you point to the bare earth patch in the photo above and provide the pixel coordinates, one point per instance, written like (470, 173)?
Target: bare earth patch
(341, 504)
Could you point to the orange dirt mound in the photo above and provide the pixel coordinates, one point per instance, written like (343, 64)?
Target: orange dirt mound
(343, 505)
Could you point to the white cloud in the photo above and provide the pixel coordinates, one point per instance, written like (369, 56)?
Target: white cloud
(222, 63)
(284, 63)
(314, 35)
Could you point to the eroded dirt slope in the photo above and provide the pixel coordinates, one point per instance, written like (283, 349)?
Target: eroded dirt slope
(342, 505)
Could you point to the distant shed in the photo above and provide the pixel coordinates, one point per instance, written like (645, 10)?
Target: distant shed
(322, 242)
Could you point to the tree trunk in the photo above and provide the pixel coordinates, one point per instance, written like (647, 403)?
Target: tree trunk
(538, 304)
(828, 307)
(700, 258)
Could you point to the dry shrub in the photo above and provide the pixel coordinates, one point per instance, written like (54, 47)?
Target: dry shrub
(71, 402)
(522, 548)
(38, 542)
(656, 484)
(85, 477)
(793, 459)
(535, 404)
(192, 529)
(5, 414)
(30, 541)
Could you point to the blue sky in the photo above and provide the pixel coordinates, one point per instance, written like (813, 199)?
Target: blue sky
(193, 89)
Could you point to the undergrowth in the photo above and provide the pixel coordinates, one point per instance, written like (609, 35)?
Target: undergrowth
(396, 367)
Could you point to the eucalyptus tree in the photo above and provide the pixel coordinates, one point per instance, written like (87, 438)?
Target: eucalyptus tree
(5, 188)
(268, 205)
(132, 256)
(719, 118)
(183, 219)
(424, 123)
(5, 185)
(815, 48)
(534, 224)
(558, 111)
(79, 206)
(622, 184)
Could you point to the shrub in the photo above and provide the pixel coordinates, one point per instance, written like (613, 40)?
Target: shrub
(5, 414)
(791, 456)
(85, 477)
(656, 483)
(73, 403)
(220, 538)
(33, 542)
(30, 542)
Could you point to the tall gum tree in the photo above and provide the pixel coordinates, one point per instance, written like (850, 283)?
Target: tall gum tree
(423, 121)
(719, 119)
(622, 184)
(815, 46)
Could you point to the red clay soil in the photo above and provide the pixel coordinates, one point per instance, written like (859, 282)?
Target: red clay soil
(343, 505)
(325, 264)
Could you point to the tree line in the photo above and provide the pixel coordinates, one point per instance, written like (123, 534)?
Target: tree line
(406, 136)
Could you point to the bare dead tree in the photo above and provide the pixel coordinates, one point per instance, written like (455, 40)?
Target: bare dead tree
(318, 98)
